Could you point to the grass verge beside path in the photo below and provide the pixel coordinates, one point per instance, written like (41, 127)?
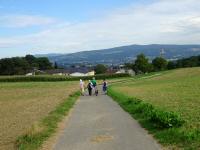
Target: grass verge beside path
(157, 102)
(165, 126)
(45, 128)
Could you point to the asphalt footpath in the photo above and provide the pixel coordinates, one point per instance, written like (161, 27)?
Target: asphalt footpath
(99, 123)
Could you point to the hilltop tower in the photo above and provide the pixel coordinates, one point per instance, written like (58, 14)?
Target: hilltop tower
(162, 52)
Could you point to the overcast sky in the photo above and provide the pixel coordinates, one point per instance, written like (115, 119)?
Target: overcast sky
(65, 26)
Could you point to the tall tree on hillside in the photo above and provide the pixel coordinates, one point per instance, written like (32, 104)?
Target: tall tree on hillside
(44, 63)
(100, 69)
(21, 66)
(6, 66)
(142, 64)
(32, 61)
(159, 64)
(55, 65)
(171, 65)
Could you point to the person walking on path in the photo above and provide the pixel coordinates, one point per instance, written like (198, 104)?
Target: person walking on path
(104, 87)
(82, 87)
(94, 83)
(89, 87)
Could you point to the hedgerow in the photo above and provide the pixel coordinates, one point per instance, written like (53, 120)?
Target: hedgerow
(57, 78)
(158, 117)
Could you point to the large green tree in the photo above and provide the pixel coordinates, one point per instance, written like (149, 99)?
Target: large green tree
(55, 65)
(21, 66)
(6, 66)
(44, 63)
(171, 65)
(142, 64)
(100, 69)
(159, 64)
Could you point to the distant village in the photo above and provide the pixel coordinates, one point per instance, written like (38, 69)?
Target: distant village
(31, 66)
(78, 71)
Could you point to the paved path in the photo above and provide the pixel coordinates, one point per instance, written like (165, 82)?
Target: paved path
(98, 123)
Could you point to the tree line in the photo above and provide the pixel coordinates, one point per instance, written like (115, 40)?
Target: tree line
(23, 65)
(143, 65)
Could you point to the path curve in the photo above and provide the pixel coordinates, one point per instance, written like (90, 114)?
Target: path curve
(99, 123)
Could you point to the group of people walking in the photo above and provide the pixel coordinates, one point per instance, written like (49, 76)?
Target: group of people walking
(92, 86)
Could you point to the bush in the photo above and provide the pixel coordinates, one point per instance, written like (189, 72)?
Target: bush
(165, 119)
(160, 118)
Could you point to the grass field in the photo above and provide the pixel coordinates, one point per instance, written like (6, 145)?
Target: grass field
(177, 91)
(24, 104)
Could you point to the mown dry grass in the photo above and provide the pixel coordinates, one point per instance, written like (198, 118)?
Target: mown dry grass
(24, 104)
(178, 91)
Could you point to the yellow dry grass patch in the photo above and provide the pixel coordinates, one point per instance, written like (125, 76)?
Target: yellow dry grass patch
(24, 104)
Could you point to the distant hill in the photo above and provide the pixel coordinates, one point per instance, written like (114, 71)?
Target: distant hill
(119, 55)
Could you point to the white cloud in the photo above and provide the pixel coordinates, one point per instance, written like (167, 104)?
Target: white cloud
(163, 21)
(20, 21)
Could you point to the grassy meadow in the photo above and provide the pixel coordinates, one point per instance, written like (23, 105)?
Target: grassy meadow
(24, 104)
(177, 91)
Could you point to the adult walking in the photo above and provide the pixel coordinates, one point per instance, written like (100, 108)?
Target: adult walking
(89, 87)
(94, 83)
(82, 87)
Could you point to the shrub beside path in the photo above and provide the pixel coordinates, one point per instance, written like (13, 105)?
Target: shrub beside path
(99, 123)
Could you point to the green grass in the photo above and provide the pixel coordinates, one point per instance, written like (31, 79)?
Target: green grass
(35, 138)
(175, 91)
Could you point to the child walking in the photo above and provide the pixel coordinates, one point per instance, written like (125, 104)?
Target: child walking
(105, 85)
(89, 87)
